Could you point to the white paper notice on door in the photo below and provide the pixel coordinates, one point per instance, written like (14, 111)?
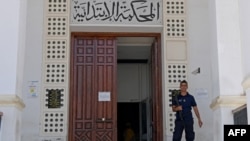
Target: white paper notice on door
(103, 96)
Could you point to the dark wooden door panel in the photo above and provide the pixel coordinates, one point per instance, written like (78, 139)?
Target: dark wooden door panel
(93, 71)
(106, 82)
(156, 96)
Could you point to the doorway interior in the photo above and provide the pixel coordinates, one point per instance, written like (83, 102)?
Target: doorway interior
(128, 113)
(134, 74)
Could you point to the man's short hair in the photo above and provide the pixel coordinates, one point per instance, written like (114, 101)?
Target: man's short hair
(184, 81)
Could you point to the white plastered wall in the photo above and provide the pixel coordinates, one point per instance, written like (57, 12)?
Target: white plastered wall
(226, 62)
(133, 81)
(32, 71)
(245, 36)
(12, 37)
(199, 57)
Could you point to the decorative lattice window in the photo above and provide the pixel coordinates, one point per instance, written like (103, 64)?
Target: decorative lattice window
(175, 27)
(56, 49)
(55, 98)
(54, 93)
(57, 6)
(56, 26)
(175, 16)
(55, 73)
(175, 7)
(54, 122)
(176, 73)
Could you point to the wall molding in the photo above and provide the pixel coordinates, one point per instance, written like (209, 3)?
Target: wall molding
(228, 101)
(239, 108)
(246, 83)
(11, 101)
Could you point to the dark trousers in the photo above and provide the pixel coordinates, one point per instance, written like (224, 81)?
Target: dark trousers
(188, 126)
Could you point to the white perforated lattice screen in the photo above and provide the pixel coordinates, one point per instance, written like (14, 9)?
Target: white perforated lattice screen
(174, 7)
(175, 27)
(176, 73)
(55, 50)
(54, 98)
(54, 122)
(57, 6)
(175, 33)
(57, 26)
(55, 73)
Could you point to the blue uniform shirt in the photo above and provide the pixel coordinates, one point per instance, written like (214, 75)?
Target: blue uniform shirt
(187, 102)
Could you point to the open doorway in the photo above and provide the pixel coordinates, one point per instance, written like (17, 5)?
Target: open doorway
(98, 84)
(128, 114)
(134, 89)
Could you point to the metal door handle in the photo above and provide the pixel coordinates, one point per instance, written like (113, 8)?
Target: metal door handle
(104, 120)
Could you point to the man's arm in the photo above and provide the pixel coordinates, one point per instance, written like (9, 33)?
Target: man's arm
(176, 108)
(196, 111)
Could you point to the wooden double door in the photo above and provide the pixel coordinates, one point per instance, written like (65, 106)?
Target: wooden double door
(93, 90)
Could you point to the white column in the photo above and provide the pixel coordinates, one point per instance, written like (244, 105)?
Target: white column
(228, 47)
(12, 40)
(9, 25)
(226, 63)
(244, 8)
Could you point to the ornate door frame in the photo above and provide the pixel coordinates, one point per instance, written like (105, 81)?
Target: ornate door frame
(157, 116)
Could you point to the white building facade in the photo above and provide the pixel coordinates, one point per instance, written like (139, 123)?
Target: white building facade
(202, 41)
